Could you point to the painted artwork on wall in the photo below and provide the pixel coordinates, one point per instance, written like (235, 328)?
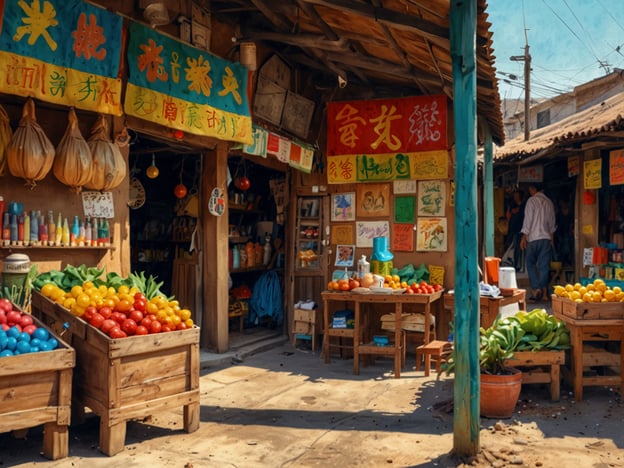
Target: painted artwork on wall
(404, 209)
(431, 235)
(343, 206)
(366, 231)
(344, 255)
(373, 200)
(431, 197)
(402, 237)
(342, 233)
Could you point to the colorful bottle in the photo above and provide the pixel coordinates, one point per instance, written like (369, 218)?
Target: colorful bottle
(58, 231)
(6, 228)
(65, 236)
(88, 232)
(51, 228)
(13, 227)
(94, 232)
(266, 259)
(20, 229)
(26, 229)
(74, 234)
(82, 234)
(34, 228)
(43, 230)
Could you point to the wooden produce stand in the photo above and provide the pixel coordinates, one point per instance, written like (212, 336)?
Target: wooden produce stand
(540, 367)
(128, 378)
(395, 348)
(592, 322)
(489, 306)
(36, 389)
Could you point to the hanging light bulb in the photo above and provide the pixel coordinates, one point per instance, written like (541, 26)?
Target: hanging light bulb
(152, 171)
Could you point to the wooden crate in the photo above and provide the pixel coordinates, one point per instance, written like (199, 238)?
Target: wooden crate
(128, 378)
(36, 389)
(587, 310)
(540, 367)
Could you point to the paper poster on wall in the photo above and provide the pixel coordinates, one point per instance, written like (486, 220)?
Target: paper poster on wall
(436, 274)
(342, 234)
(343, 206)
(366, 231)
(98, 204)
(404, 208)
(403, 186)
(574, 166)
(431, 235)
(531, 174)
(344, 255)
(402, 238)
(592, 174)
(616, 167)
(373, 200)
(431, 197)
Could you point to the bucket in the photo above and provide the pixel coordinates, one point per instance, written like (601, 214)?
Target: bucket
(15, 268)
(507, 278)
(492, 265)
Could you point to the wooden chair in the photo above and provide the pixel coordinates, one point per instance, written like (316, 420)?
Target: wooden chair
(436, 351)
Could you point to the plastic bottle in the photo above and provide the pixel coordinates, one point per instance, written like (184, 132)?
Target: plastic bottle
(6, 228)
(20, 229)
(235, 257)
(88, 232)
(94, 232)
(363, 266)
(43, 230)
(251, 254)
(75, 232)
(13, 227)
(105, 232)
(266, 259)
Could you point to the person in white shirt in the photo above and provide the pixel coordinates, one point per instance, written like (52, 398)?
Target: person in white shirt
(538, 229)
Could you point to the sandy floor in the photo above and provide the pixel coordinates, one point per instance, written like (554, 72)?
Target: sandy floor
(286, 407)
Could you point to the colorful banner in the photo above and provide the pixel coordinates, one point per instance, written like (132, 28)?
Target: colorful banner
(386, 167)
(301, 157)
(259, 146)
(592, 174)
(185, 88)
(66, 53)
(404, 125)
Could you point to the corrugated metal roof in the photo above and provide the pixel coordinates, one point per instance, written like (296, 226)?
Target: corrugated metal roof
(590, 124)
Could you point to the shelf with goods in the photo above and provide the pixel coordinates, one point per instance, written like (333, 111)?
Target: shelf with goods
(309, 233)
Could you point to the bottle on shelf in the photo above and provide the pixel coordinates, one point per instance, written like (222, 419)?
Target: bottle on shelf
(13, 227)
(94, 232)
(51, 229)
(88, 232)
(43, 230)
(34, 228)
(6, 228)
(58, 231)
(235, 257)
(65, 236)
(26, 228)
(266, 259)
(20, 229)
(363, 266)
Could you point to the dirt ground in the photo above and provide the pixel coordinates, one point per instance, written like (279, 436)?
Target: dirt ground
(286, 408)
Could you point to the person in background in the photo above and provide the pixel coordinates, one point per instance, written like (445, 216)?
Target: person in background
(515, 218)
(538, 229)
(564, 236)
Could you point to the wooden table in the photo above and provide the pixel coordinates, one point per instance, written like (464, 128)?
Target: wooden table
(599, 330)
(359, 348)
(489, 308)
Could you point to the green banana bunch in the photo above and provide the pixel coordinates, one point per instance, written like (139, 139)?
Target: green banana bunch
(542, 331)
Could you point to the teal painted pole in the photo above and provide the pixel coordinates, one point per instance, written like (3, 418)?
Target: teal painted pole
(466, 417)
(488, 193)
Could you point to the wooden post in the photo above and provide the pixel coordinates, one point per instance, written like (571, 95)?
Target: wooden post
(488, 193)
(466, 418)
(214, 325)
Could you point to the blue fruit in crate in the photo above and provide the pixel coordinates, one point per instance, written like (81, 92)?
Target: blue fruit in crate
(11, 343)
(53, 342)
(23, 347)
(13, 332)
(44, 346)
(42, 334)
(6, 352)
(3, 341)
(35, 343)
(23, 336)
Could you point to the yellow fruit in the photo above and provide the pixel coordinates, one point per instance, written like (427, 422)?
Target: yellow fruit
(577, 286)
(574, 295)
(569, 287)
(601, 287)
(590, 287)
(559, 290)
(617, 289)
(76, 291)
(587, 297)
(396, 278)
(47, 289)
(596, 296)
(582, 290)
(609, 295)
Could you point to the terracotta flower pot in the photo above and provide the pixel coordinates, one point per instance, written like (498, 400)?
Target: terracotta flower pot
(500, 393)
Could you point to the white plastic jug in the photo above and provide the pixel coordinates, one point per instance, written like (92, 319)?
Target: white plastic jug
(507, 278)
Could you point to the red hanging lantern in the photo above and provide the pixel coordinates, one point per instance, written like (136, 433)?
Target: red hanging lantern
(244, 183)
(589, 198)
(180, 191)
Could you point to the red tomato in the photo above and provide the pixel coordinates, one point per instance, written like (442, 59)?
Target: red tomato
(155, 327)
(141, 296)
(123, 305)
(118, 317)
(182, 326)
(146, 322)
(140, 304)
(437, 287)
(105, 311)
(3, 318)
(152, 317)
(26, 320)
(30, 328)
(4, 327)
(13, 317)
(136, 315)
(166, 328)
(141, 330)
(108, 324)
(116, 332)
(88, 313)
(129, 326)
(6, 305)
(97, 320)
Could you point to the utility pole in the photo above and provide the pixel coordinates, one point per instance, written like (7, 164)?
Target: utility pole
(526, 58)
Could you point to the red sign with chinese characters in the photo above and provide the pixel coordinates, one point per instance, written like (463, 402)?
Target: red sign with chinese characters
(382, 126)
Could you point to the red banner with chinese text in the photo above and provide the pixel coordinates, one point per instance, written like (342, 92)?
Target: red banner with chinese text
(403, 125)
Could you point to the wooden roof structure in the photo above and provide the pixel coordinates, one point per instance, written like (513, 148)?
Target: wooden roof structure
(392, 47)
(601, 125)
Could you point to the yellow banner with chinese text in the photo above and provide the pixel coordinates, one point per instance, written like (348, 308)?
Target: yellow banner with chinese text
(190, 117)
(353, 168)
(29, 77)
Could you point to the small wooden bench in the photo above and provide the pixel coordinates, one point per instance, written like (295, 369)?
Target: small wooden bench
(540, 367)
(435, 350)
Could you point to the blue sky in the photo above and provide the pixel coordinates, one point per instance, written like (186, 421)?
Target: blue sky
(568, 40)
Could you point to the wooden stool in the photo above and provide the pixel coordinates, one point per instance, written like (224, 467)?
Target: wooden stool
(436, 350)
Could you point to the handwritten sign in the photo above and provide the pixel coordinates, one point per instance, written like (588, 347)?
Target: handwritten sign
(403, 237)
(431, 234)
(592, 174)
(616, 167)
(404, 186)
(431, 197)
(531, 174)
(342, 234)
(98, 204)
(367, 231)
(436, 274)
(404, 208)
